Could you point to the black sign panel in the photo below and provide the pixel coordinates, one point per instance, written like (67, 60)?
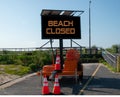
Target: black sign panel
(60, 27)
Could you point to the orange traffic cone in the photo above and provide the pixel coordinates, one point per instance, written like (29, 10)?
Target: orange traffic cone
(45, 88)
(56, 88)
(57, 64)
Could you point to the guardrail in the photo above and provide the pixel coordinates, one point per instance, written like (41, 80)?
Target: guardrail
(110, 58)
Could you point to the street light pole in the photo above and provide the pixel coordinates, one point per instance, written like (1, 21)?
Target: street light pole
(90, 26)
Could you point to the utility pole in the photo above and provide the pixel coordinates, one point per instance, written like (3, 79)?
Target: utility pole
(90, 26)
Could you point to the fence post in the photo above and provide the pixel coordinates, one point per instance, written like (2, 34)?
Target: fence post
(118, 63)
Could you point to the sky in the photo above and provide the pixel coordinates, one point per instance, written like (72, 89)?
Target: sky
(20, 22)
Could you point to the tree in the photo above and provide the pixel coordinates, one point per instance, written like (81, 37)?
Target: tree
(115, 48)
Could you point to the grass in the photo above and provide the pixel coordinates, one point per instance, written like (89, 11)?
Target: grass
(14, 69)
(108, 65)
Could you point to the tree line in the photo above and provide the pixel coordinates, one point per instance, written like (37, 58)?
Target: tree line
(114, 48)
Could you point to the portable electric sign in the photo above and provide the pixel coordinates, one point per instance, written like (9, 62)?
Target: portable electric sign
(60, 27)
(62, 24)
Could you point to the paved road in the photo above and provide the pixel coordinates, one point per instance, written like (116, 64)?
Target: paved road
(103, 83)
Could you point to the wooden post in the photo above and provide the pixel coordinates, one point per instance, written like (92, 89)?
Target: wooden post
(118, 63)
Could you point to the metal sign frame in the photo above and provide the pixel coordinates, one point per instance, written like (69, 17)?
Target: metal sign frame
(61, 13)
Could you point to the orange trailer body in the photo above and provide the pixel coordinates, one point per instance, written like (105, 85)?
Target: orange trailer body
(70, 67)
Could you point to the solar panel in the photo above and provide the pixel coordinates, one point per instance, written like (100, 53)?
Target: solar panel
(61, 12)
(68, 13)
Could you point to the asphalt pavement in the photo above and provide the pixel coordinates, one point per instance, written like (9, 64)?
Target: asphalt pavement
(103, 82)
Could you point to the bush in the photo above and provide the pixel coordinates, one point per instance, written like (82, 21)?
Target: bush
(27, 59)
(18, 62)
(42, 57)
(93, 58)
(34, 67)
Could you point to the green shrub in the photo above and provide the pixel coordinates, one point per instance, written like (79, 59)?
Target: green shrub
(25, 58)
(42, 57)
(18, 62)
(34, 67)
(90, 58)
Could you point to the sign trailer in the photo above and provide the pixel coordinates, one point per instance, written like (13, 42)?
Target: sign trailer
(61, 24)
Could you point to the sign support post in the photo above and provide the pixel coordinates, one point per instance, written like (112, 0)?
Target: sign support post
(61, 52)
